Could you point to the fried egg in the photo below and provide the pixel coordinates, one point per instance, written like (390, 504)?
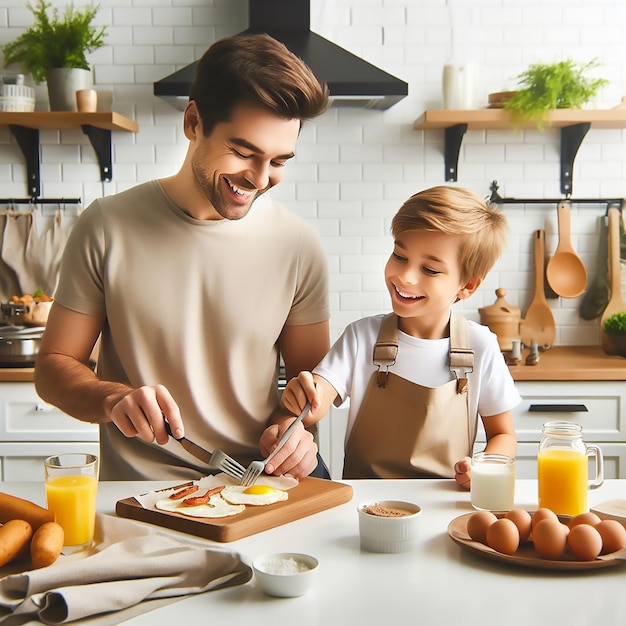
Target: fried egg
(216, 507)
(255, 495)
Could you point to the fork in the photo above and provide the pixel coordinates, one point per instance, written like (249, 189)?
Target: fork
(227, 464)
(255, 468)
(216, 459)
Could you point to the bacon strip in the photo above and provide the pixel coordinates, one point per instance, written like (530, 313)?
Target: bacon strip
(199, 500)
(184, 492)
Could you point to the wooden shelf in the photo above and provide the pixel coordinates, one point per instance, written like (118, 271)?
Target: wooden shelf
(58, 120)
(25, 127)
(573, 124)
(480, 119)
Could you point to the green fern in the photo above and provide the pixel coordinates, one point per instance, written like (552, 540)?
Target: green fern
(553, 86)
(56, 41)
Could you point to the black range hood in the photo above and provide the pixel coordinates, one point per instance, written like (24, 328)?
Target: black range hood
(351, 80)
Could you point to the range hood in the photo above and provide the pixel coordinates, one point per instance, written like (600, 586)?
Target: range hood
(351, 80)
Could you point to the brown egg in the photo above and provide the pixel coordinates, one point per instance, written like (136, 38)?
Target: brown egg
(550, 538)
(522, 520)
(478, 524)
(613, 535)
(584, 542)
(584, 518)
(541, 514)
(503, 536)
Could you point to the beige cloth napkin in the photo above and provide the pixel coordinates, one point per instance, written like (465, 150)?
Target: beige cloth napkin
(132, 568)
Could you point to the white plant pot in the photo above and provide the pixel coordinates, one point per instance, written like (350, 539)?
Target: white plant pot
(63, 83)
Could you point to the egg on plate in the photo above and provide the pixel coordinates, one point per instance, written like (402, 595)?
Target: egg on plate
(255, 495)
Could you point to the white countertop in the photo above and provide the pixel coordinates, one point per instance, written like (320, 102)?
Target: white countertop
(439, 583)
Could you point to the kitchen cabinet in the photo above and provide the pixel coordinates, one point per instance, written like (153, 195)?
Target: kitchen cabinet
(31, 430)
(25, 127)
(573, 124)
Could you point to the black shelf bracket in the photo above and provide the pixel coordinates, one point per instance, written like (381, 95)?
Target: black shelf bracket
(28, 141)
(100, 139)
(571, 139)
(454, 139)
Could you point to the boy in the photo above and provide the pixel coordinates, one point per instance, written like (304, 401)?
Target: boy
(418, 378)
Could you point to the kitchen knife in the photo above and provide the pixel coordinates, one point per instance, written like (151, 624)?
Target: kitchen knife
(193, 448)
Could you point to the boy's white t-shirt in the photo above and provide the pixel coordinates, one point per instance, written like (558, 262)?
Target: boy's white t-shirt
(348, 367)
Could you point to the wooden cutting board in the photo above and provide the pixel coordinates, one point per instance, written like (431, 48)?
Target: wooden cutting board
(310, 496)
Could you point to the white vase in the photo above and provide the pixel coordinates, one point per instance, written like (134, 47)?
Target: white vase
(63, 83)
(458, 86)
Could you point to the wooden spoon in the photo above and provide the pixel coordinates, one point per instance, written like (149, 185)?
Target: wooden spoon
(616, 304)
(566, 273)
(538, 325)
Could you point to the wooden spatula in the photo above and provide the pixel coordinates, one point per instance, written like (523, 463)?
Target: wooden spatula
(538, 325)
(616, 304)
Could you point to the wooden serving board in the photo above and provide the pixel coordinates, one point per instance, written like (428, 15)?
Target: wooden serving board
(310, 496)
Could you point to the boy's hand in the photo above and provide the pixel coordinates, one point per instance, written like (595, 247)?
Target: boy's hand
(463, 472)
(298, 392)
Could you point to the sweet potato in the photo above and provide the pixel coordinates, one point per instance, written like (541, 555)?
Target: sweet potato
(46, 544)
(12, 507)
(14, 537)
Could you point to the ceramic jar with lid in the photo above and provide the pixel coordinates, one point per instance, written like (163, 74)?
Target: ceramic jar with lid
(502, 319)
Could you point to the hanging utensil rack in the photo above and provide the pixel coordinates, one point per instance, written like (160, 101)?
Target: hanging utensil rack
(34, 203)
(496, 198)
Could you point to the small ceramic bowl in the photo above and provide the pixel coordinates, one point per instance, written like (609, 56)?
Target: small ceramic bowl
(285, 574)
(388, 534)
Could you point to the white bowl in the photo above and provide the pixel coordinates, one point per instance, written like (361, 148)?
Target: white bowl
(389, 534)
(285, 574)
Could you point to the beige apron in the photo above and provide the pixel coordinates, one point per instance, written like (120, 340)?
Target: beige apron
(404, 430)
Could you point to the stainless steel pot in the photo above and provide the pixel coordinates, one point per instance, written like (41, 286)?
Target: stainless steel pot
(18, 347)
(19, 342)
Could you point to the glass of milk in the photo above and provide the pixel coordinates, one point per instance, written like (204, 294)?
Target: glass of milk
(493, 482)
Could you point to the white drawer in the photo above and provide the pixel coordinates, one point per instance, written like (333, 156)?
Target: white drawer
(596, 406)
(24, 461)
(25, 417)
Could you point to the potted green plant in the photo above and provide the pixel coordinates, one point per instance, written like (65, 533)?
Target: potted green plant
(615, 327)
(54, 49)
(559, 85)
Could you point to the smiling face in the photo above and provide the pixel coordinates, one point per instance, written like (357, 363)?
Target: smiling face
(423, 277)
(238, 161)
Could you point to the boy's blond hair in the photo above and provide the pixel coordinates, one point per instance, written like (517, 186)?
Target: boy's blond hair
(457, 211)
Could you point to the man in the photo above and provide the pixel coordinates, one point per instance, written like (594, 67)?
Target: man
(197, 283)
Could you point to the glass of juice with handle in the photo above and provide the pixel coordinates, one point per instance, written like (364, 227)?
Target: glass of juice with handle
(71, 482)
(563, 468)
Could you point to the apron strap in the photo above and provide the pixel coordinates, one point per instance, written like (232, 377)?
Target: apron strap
(386, 348)
(461, 355)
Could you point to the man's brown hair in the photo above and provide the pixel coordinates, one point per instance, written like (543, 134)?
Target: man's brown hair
(258, 70)
(456, 211)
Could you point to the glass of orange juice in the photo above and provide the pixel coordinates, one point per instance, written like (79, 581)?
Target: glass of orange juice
(71, 488)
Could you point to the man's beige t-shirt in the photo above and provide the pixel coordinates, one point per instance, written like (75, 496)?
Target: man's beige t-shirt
(197, 306)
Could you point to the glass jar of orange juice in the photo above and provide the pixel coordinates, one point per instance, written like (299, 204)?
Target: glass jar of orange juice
(563, 468)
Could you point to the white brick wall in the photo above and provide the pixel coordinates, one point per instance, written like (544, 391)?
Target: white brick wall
(355, 167)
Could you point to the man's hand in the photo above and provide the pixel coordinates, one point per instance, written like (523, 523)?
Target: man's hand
(297, 457)
(141, 413)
